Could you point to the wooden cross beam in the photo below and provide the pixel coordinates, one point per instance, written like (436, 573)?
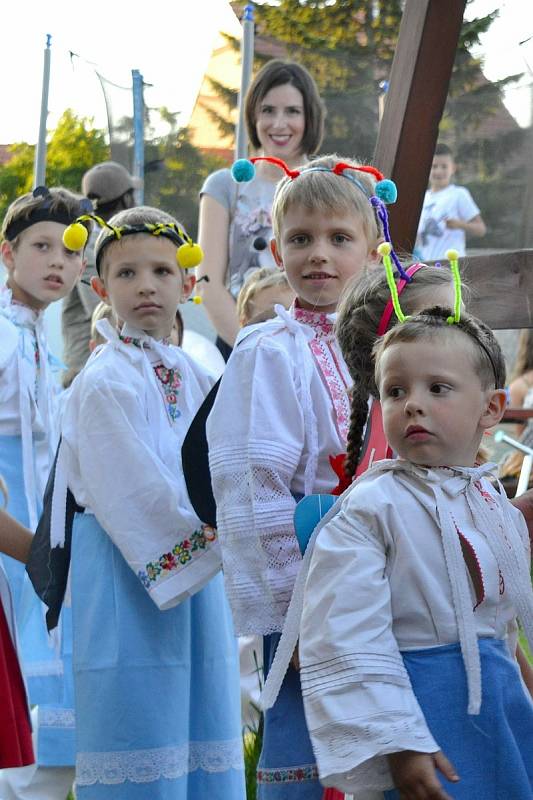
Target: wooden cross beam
(502, 282)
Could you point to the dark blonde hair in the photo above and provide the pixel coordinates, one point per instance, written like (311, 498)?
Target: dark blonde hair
(56, 201)
(263, 278)
(318, 188)
(488, 362)
(524, 356)
(280, 73)
(139, 215)
(359, 313)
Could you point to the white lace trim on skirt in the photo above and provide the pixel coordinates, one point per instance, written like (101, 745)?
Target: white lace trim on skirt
(147, 766)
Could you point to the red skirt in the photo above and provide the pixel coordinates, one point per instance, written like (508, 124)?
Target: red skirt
(16, 748)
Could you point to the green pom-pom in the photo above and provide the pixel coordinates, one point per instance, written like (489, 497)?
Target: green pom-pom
(386, 190)
(189, 255)
(452, 255)
(75, 236)
(243, 170)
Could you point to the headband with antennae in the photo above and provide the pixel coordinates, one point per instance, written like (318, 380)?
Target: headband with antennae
(385, 192)
(188, 255)
(385, 251)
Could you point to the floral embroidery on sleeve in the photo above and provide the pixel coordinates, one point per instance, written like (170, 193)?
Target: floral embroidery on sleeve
(183, 552)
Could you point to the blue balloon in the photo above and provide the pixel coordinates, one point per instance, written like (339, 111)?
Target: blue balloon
(308, 514)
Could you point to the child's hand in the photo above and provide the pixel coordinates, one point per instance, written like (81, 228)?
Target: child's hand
(295, 659)
(454, 224)
(415, 774)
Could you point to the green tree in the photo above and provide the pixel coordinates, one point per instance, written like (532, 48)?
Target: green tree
(74, 146)
(175, 170)
(348, 46)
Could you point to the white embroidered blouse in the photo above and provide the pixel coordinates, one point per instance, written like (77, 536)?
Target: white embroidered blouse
(281, 411)
(28, 394)
(408, 558)
(120, 455)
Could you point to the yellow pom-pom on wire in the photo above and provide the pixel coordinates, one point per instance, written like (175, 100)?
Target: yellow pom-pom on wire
(75, 236)
(196, 299)
(453, 258)
(189, 255)
(384, 249)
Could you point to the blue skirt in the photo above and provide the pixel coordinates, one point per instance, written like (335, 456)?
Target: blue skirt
(46, 659)
(493, 752)
(157, 692)
(287, 767)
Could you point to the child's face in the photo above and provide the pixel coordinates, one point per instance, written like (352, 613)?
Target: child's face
(41, 269)
(442, 170)
(143, 283)
(434, 406)
(320, 253)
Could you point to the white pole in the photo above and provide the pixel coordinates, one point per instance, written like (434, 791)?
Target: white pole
(247, 61)
(39, 169)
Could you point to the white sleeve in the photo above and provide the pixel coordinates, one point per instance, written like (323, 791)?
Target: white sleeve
(358, 699)
(256, 437)
(467, 208)
(141, 504)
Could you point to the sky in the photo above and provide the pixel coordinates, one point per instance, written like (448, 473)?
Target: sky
(170, 43)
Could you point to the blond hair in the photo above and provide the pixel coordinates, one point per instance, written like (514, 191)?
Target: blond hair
(263, 278)
(101, 311)
(318, 188)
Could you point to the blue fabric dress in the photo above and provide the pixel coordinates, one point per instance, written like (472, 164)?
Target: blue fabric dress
(157, 693)
(492, 753)
(28, 422)
(287, 766)
(46, 659)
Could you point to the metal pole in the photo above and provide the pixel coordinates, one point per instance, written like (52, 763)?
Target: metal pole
(247, 61)
(39, 168)
(138, 133)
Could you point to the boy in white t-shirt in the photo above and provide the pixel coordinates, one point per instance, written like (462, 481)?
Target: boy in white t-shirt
(449, 212)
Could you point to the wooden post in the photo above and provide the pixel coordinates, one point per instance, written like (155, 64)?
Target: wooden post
(414, 103)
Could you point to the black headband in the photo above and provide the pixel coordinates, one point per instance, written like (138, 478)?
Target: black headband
(44, 213)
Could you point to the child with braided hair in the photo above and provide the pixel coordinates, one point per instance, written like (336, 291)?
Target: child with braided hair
(364, 314)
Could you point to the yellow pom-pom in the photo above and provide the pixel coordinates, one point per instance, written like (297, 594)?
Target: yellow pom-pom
(197, 299)
(75, 236)
(384, 249)
(189, 255)
(452, 255)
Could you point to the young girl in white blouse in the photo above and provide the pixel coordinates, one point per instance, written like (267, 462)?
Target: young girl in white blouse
(155, 662)
(416, 578)
(40, 270)
(280, 417)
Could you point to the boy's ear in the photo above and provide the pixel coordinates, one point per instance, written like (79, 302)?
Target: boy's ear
(494, 408)
(189, 282)
(276, 254)
(7, 255)
(98, 287)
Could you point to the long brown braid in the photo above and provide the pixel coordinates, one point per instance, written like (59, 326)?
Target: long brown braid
(359, 313)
